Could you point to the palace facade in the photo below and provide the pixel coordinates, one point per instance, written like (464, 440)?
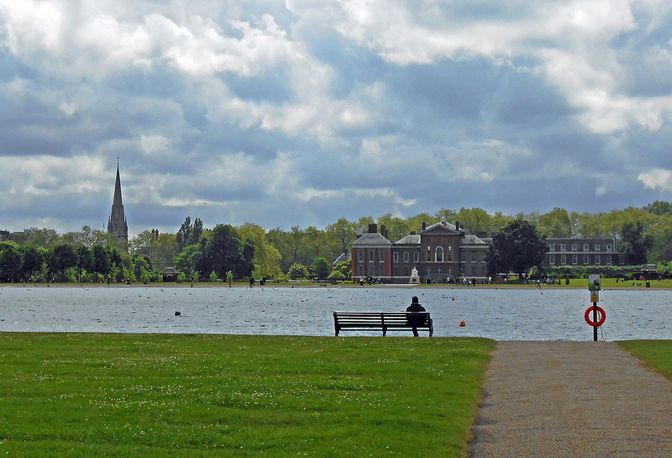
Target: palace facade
(440, 252)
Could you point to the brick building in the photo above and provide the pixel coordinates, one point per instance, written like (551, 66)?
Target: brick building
(582, 252)
(441, 252)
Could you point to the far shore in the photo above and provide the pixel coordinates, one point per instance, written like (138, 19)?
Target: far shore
(628, 285)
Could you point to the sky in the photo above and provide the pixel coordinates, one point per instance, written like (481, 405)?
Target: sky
(304, 111)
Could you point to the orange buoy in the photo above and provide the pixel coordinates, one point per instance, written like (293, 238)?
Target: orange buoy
(463, 323)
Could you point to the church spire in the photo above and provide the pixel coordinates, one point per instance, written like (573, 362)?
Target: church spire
(116, 224)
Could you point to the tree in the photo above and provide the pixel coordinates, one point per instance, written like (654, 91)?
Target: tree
(634, 244)
(245, 265)
(555, 223)
(266, 256)
(661, 234)
(101, 260)
(320, 268)
(344, 232)
(62, 257)
(516, 248)
(187, 259)
(10, 261)
(32, 262)
(84, 261)
(298, 271)
(223, 250)
(659, 208)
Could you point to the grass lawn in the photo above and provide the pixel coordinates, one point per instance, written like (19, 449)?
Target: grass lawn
(656, 354)
(186, 395)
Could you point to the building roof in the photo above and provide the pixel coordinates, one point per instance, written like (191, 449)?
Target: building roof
(440, 225)
(370, 239)
(411, 239)
(342, 258)
(471, 239)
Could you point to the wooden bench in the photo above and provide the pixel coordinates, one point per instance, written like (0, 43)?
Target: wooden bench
(384, 321)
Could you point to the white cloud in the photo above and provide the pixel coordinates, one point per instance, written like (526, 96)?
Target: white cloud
(657, 179)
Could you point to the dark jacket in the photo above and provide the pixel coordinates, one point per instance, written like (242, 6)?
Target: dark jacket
(413, 319)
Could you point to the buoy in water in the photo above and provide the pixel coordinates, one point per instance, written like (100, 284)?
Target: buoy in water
(463, 323)
(178, 313)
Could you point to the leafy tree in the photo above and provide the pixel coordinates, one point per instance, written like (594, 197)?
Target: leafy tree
(62, 257)
(661, 235)
(555, 223)
(101, 260)
(10, 261)
(659, 208)
(142, 270)
(245, 265)
(336, 275)
(298, 271)
(223, 250)
(84, 260)
(634, 244)
(266, 256)
(32, 262)
(320, 268)
(187, 259)
(475, 220)
(517, 248)
(345, 268)
(344, 232)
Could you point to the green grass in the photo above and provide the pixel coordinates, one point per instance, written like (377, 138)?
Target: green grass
(657, 354)
(186, 395)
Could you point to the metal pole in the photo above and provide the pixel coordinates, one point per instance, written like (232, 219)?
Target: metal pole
(594, 321)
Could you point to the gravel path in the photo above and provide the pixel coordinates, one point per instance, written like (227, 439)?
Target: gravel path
(587, 399)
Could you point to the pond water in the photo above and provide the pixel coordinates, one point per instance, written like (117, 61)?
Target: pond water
(503, 314)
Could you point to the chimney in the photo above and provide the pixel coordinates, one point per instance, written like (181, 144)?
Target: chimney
(373, 228)
(383, 231)
(424, 225)
(457, 225)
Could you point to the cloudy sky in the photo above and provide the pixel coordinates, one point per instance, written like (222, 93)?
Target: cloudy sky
(303, 111)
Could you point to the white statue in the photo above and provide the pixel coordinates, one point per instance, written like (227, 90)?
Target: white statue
(415, 278)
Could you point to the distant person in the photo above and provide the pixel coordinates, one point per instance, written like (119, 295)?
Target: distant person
(412, 315)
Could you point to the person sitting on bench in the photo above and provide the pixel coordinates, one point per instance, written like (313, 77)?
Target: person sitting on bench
(412, 318)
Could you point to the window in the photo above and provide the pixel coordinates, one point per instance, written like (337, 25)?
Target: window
(597, 247)
(416, 257)
(586, 247)
(395, 257)
(360, 255)
(596, 259)
(405, 256)
(608, 259)
(551, 247)
(608, 247)
(438, 254)
(370, 256)
(551, 259)
(574, 248)
(575, 259)
(562, 247)
(586, 259)
(429, 254)
(563, 259)
(381, 256)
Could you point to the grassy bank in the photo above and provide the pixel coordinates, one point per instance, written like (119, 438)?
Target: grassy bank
(114, 395)
(656, 354)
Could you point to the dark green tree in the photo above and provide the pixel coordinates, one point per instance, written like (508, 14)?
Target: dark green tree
(84, 261)
(10, 261)
(659, 208)
(32, 262)
(245, 265)
(634, 244)
(62, 257)
(101, 260)
(223, 250)
(517, 248)
(320, 267)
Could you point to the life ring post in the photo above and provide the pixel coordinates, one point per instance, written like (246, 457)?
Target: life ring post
(594, 321)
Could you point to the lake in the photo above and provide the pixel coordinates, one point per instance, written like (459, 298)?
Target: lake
(502, 314)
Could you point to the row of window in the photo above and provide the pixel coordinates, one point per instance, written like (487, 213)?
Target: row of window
(575, 247)
(575, 259)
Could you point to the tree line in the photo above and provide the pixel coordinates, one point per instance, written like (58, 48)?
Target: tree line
(226, 251)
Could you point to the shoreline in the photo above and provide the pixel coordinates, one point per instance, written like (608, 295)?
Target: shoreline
(328, 285)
